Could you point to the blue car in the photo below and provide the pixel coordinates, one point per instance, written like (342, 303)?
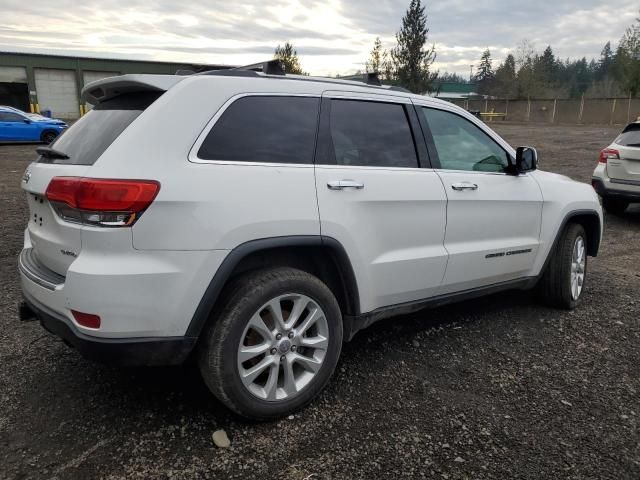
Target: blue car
(18, 126)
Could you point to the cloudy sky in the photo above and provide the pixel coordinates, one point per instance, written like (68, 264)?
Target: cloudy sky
(331, 36)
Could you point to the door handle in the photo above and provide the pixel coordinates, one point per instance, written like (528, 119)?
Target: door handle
(342, 184)
(464, 186)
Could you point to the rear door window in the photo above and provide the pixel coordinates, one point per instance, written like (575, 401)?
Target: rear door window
(92, 134)
(630, 137)
(370, 134)
(266, 129)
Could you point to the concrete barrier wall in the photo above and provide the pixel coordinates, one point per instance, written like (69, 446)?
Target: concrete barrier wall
(589, 111)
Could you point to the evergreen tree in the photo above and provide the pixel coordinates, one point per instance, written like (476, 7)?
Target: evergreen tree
(547, 67)
(605, 63)
(412, 60)
(580, 78)
(485, 69)
(526, 79)
(485, 75)
(627, 61)
(289, 58)
(505, 78)
(374, 64)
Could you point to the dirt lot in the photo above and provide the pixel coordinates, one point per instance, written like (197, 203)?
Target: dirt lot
(494, 388)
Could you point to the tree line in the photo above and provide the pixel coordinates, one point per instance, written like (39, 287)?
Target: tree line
(524, 73)
(528, 74)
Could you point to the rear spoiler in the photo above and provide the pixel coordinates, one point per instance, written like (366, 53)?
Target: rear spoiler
(111, 87)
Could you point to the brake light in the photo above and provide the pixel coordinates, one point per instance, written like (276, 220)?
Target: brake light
(101, 202)
(609, 153)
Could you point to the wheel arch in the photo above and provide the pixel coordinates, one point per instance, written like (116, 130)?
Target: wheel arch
(590, 221)
(322, 256)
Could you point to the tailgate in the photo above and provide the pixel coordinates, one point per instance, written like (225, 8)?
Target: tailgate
(627, 168)
(55, 243)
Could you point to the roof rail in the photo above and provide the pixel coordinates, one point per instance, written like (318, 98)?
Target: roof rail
(370, 78)
(396, 88)
(270, 67)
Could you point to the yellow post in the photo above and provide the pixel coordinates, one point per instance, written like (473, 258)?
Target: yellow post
(37, 108)
(31, 109)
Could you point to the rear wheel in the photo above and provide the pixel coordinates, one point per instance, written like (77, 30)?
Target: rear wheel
(614, 206)
(48, 136)
(274, 345)
(563, 282)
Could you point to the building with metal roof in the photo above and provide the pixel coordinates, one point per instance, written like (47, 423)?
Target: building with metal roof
(38, 82)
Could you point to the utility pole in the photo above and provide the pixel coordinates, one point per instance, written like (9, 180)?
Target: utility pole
(471, 73)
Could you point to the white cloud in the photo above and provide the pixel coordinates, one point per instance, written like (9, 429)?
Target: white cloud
(332, 36)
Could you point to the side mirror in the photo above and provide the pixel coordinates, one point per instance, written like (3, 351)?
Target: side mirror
(26, 120)
(526, 159)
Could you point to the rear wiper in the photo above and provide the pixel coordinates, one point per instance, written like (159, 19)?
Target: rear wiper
(49, 152)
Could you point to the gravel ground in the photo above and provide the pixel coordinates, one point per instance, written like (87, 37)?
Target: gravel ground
(492, 388)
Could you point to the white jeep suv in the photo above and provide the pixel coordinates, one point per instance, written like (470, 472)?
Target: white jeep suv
(617, 175)
(257, 220)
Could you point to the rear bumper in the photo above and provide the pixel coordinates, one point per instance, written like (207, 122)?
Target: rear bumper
(137, 294)
(150, 351)
(608, 189)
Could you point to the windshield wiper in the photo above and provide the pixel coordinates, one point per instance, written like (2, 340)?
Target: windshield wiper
(49, 152)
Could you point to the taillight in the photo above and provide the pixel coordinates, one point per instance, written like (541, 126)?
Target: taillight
(609, 153)
(101, 202)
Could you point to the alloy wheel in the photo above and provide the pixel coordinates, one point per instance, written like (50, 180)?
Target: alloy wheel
(283, 347)
(578, 264)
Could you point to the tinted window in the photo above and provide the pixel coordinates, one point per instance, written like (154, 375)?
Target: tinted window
(90, 136)
(461, 145)
(10, 117)
(264, 129)
(630, 138)
(371, 134)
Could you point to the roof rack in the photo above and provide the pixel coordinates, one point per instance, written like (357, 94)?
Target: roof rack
(276, 68)
(370, 78)
(270, 67)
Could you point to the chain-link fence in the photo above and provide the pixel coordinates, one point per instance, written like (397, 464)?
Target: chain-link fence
(593, 111)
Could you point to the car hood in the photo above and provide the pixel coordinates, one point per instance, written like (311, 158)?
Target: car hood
(48, 121)
(542, 174)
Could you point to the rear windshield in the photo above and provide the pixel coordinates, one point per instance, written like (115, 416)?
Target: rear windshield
(90, 136)
(630, 137)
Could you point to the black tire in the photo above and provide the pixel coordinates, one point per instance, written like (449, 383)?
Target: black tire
(554, 288)
(218, 351)
(48, 136)
(614, 206)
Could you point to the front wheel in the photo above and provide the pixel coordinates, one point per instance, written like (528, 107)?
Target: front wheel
(274, 344)
(563, 283)
(48, 137)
